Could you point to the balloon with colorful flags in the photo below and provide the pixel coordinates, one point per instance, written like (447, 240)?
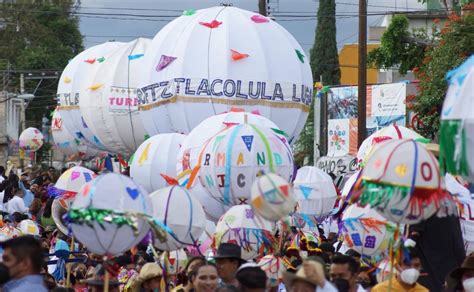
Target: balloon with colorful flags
(402, 181)
(315, 193)
(208, 62)
(366, 231)
(241, 226)
(31, 139)
(110, 214)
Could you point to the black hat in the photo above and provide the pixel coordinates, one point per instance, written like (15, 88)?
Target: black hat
(467, 265)
(229, 251)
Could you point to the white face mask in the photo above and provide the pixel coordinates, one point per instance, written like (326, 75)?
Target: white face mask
(409, 276)
(468, 285)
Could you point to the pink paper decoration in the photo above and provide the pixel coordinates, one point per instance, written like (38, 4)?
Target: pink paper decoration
(164, 62)
(257, 18)
(75, 175)
(212, 24)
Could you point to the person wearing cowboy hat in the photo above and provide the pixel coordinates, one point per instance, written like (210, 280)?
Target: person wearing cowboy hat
(228, 260)
(309, 277)
(148, 280)
(463, 276)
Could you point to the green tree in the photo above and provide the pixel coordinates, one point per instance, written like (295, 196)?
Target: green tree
(324, 62)
(42, 36)
(39, 35)
(430, 57)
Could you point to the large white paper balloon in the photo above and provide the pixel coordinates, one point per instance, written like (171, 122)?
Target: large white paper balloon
(241, 226)
(221, 57)
(111, 109)
(401, 180)
(65, 140)
(31, 139)
(76, 79)
(230, 162)
(96, 205)
(212, 126)
(456, 138)
(155, 156)
(29, 227)
(272, 197)
(384, 134)
(181, 213)
(314, 191)
(366, 231)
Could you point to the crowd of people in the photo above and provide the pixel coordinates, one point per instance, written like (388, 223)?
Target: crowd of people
(52, 261)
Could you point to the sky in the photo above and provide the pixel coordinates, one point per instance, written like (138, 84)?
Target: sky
(99, 28)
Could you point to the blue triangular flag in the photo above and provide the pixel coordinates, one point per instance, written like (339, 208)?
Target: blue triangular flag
(306, 191)
(248, 140)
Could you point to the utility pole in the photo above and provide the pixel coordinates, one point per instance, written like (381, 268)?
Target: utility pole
(362, 74)
(262, 7)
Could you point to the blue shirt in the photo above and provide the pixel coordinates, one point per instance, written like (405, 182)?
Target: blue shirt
(27, 195)
(28, 283)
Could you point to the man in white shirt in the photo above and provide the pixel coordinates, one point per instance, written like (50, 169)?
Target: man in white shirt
(16, 204)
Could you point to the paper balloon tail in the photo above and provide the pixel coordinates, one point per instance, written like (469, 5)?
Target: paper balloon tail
(236, 56)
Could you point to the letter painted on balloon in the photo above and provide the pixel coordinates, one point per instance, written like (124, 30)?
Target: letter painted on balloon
(241, 180)
(240, 159)
(207, 158)
(213, 86)
(278, 160)
(260, 158)
(221, 180)
(278, 92)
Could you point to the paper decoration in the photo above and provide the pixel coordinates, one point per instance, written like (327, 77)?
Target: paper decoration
(212, 24)
(31, 139)
(257, 18)
(366, 231)
(456, 139)
(135, 56)
(90, 61)
(189, 12)
(156, 156)
(70, 94)
(105, 219)
(164, 62)
(111, 111)
(315, 193)
(407, 199)
(387, 133)
(272, 197)
(236, 56)
(241, 226)
(274, 267)
(227, 168)
(101, 59)
(67, 80)
(280, 90)
(29, 227)
(181, 213)
(300, 55)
